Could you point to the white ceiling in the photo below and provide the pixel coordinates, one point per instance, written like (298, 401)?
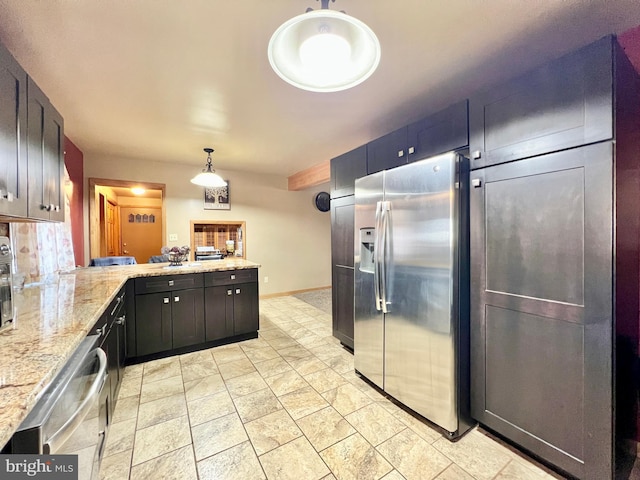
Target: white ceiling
(162, 79)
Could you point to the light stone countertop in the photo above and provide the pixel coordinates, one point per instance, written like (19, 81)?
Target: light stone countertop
(52, 319)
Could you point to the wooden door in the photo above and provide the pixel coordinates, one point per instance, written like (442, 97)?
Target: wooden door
(113, 247)
(141, 230)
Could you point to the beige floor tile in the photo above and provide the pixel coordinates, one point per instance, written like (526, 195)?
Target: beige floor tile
(393, 475)
(421, 427)
(236, 368)
(414, 458)
(254, 344)
(116, 467)
(347, 398)
(228, 354)
(295, 352)
(126, 408)
(272, 333)
(325, 427)
(211, 407)
(295, 460)
(161, 369)
(476, 454)
(133, 370)
(176, 465)
(261, 354)
(355, 459)
(120, 437)
(281, 342)
(325, 379)
(161, 410)
(307, 365)
(339, 363)
(151, 442)
(302, 402)
(516, 470)
(245, 384)
(195, 370)
(273, 367)
(256, 405)
(160, 389)
(201, 356)
(375, 423)
(217, 435)
(271, 431)
(204, 387)
(130, 386)
(236, 463)
(286, 382)
(454, 472)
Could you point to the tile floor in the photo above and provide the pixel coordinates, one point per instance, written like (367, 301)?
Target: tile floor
(286, 405)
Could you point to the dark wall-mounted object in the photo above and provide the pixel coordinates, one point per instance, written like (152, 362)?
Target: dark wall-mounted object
(322, 201)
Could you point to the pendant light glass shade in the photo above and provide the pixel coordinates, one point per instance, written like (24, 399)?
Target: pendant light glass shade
(208, 177)
(324, 51)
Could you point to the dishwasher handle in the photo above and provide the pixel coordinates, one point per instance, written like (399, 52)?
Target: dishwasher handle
(55, 441)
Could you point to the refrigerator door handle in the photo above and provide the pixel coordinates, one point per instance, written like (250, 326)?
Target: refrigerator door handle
(376, 259)
(382, 248)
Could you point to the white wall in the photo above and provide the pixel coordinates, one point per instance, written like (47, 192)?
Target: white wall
(285, 233)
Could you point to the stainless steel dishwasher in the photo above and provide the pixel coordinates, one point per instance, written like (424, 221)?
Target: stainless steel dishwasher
(70, 416)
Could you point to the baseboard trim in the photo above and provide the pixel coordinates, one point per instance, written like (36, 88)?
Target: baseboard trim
(293, 292)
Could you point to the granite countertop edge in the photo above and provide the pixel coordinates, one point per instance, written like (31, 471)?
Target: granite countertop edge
(53, 317)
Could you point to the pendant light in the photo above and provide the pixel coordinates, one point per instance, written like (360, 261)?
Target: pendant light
(208, 177)
(324, 50)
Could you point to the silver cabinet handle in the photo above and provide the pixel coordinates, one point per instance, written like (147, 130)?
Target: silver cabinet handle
(120, 320)
(476, 155)
(237, 291)
(165, 300)
(55, 441)
(229, 292)
(176, 299)
(171, 283)
(400, 153)
(411, 150)
(476, 182)
(233, 277)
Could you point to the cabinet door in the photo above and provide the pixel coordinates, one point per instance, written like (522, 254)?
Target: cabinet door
(342, 292)
(53, 173)
(187, 313)
(345, 169)
(13, 140)
(342, 217)
(37, 104)
(153, 323)
(245, 308)
(218, 312)
(441, 132)
(541, 305)
(388, 151)
(564, 104)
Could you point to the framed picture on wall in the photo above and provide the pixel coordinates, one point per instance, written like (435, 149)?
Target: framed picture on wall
(217, 198)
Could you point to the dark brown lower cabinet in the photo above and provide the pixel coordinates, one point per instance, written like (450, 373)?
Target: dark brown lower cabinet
(342, 304)
(169, 320)
(231, 310)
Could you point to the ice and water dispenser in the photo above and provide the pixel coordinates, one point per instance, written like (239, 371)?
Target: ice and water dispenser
(367, 249)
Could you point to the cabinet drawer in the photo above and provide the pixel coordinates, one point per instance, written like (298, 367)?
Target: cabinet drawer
(167, 283)
(231, 277)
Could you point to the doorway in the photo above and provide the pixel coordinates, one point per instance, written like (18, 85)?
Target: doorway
(122, 222)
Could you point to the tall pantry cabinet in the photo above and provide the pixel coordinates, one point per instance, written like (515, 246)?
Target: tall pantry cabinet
(554, 258)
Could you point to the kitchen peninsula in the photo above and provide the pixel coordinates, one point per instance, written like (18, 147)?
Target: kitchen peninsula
(52, 319)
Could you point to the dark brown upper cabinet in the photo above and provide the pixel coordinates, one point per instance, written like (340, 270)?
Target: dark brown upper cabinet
(345, 169)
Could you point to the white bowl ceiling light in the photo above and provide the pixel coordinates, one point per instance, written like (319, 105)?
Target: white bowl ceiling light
(208, 177)
(324, 50)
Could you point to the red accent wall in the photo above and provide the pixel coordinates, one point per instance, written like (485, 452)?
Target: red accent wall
(73, 160)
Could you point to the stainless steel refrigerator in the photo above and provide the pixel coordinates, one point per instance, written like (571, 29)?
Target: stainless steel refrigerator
(411, 332)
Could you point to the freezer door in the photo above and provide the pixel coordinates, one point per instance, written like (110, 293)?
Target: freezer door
(368, 328)
(420, 365)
